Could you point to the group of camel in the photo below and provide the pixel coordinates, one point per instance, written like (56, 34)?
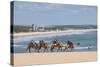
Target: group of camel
(55, 44)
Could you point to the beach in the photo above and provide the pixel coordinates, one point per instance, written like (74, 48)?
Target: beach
(20, 59)
(80, 54)
(50, 32)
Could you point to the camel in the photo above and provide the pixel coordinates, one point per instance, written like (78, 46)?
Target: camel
(37, 46)
(31, 45)
(56, 44)
(70, 46)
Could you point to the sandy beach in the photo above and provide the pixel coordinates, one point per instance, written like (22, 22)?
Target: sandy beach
(50, 32)
(21, 59)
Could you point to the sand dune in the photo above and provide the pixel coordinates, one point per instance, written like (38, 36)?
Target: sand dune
(49, 58)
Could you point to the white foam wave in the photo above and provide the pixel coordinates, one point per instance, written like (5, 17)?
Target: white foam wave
(18, 45)
(83, 47)
(28, 38)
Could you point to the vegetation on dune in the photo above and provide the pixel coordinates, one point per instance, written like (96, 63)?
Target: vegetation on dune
(22, 28)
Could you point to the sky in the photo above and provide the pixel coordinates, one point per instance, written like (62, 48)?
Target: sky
(27, 13)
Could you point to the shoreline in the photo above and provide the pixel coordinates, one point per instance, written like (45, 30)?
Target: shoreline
(52, 58)
(51, 32)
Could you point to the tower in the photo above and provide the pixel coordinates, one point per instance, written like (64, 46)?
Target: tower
(33, 27)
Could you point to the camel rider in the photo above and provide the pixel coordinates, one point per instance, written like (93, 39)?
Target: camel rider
(33, 42)
(55, 41)
(70, 44)
(42, 41)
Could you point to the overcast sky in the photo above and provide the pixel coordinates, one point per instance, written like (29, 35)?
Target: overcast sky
(27, 13)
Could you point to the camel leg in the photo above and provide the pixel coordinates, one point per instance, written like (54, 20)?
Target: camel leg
(44, 49)
(65, 49)
(61, 49)
(71, 49)
(52, 48)
(35, 49)
(38, 50)
(26, 49)
(29, 50)
(58, 49)
(47, 49)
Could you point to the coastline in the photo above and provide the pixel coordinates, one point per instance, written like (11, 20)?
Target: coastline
(53, 58)
(51, 32)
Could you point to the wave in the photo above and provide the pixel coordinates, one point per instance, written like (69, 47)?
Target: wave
(18, 45)
(84, 47)
(28, 38)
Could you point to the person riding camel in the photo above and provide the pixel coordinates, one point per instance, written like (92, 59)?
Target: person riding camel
(41, 42)
(32, 42)
(70, 44)
(55, 41)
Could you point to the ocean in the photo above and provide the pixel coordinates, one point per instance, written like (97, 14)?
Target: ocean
(86, 39)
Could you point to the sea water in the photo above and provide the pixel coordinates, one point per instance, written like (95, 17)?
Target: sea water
(87, 40)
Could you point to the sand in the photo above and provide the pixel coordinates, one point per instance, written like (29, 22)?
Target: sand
(51, 32)
(21, 59)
